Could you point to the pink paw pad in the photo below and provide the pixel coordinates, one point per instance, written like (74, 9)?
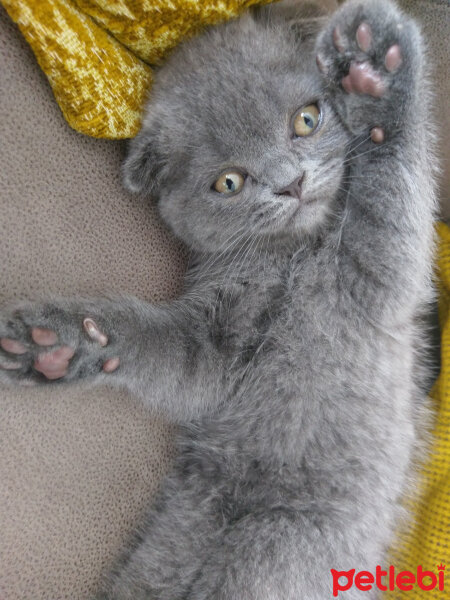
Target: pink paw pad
(362, 79)
(54, 364)
(393, 58)
(111, 364)
(364, 36)
(339, 40)
(321, 64)
(377, 135)
(12, 346)
(43, 336)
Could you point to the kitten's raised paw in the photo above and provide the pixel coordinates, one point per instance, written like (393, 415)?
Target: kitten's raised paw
(49, 343)
(366, 55)
(363, 78)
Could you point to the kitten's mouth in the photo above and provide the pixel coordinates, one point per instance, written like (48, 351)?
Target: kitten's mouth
(299, 205)
(294, 190)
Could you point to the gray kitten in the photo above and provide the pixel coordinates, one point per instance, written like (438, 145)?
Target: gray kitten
(294, 159)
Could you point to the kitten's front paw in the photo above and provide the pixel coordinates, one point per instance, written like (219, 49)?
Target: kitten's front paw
(369, 56)
(53, 343)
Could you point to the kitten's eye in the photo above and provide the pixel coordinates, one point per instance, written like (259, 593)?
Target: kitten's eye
(230, 182)
(306, 120)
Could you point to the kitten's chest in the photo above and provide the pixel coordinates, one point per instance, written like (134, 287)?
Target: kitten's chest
(244, 315)
(280, 313)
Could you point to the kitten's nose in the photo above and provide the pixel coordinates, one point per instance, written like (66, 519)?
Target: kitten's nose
(294, 189)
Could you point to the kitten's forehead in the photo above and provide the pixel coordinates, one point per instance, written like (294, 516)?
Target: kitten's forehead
(236, 87)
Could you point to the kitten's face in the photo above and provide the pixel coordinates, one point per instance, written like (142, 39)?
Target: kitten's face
(238, 141)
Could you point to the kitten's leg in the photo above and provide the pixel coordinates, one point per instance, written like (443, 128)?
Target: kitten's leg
(162, 562)
(277, 555)
(374, 67)
(161, 353)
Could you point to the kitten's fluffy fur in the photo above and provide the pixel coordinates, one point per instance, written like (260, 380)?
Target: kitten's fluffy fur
(289, 360)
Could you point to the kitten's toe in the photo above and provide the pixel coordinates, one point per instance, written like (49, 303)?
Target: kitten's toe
(339, 40)
(111, 364)
(43, 336)
(12, 346)
(14, 358)
(393, 58)
(377, 135)
(321, 64)
(364, 37)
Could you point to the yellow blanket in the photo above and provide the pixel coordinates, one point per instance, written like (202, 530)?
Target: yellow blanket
(427, 543)
(96, 53)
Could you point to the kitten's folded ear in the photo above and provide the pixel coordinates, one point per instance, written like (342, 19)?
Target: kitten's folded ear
(294, 10)
(304, 17)
(142, 165)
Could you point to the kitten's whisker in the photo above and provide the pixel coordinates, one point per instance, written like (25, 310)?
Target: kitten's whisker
(244, 263)
(235, 259)
(243, 259)
(361, 182)
(363, 141)
(364, 186)
(352, 158)
(235, 243)
(227, 246)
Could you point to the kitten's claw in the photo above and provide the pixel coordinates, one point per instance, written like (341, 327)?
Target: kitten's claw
(93, 331)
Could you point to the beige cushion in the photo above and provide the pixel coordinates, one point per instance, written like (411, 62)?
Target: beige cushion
(77, 467)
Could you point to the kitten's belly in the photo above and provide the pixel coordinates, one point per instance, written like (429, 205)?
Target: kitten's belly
(338, 401)
(322, 362)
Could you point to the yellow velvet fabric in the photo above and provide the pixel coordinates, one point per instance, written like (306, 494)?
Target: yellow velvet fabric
(96, 53)
(427, 542)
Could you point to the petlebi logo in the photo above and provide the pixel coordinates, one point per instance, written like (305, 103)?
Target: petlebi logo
(388, 580)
